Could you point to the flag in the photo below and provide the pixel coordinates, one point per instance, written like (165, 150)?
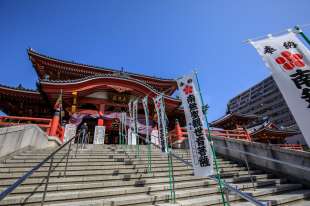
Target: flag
(135, 115)
(146, 114)
(161, 121)
(200, 149)
(289, 61)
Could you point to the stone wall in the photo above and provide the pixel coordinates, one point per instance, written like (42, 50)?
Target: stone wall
(17, 138)
(294, 164)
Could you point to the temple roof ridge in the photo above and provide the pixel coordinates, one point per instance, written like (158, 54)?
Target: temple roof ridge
(19, 88)
(31, 51)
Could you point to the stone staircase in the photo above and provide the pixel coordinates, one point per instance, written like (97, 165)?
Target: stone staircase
(112, 175)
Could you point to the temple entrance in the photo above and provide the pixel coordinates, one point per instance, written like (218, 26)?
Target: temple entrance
(111, 137)
(111, 132)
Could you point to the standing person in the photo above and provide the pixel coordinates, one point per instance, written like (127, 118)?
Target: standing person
(83, 133)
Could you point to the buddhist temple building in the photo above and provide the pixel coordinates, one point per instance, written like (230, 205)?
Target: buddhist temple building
(257, 130)
(91, 94)
(234, 121)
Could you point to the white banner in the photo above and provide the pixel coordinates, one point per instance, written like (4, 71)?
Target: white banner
(135, 122)
(129, 137)
(70, 131)
(201, 153)
(123, 123)
(161, 121)
(146, 114)
(99, 135)
(289, 62)
(135, 115)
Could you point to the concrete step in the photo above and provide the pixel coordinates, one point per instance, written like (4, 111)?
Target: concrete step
(216, 199)
(114, 172)
(89, 178)
(281, 199)
(189, 180)
(157, 190)
(100, 166)
(106, 175)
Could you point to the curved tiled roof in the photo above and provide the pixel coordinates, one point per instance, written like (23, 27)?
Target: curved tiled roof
(230, 115)
(19, 88)
(31, 51)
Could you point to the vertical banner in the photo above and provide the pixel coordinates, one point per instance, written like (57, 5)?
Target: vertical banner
(130, 129)
(146, 113)
(70, 132)
(123, 127)
(200, 148)
(135, 115)
(161, 119)
(129, 136)
(289, 61)
(99, 135)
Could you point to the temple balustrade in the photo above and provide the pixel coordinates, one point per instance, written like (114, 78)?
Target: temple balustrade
(44, 123)
(179, 135)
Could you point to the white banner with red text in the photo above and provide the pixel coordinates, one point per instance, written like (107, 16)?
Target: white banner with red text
(161, 122)
(200, 148)
(289, 61)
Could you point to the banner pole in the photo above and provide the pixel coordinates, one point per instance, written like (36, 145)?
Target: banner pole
(171, 177)
(170, 163)
(302, 34)
(211, 144)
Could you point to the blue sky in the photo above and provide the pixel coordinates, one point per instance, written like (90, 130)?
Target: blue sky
(165, 38)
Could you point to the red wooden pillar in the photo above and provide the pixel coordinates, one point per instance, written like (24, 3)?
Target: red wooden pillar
(101, 112)
(248, 135)
(178, 131)
(55, 123)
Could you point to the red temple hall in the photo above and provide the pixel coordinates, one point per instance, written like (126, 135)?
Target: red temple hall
(90, 94)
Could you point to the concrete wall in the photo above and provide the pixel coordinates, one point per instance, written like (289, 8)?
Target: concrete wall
(17, 138)
(293, 164)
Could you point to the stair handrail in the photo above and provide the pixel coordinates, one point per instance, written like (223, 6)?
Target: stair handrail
(227, 186)
(20, 180)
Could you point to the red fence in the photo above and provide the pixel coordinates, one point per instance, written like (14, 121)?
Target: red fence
(179, 134)
(44, 123)
(291, 146)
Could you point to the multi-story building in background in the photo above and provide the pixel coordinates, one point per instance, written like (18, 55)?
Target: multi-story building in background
(265, 100)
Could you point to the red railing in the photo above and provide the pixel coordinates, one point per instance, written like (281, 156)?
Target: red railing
(179, 134)
(236, 134)
(291, 146)
(44, 123)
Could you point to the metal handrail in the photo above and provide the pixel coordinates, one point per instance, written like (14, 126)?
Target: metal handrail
(18, 182)
(243, 195)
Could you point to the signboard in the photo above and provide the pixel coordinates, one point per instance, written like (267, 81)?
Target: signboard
(200, 148)
(129, 136)
(289, 61)
(70, 132)
(99, 135)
